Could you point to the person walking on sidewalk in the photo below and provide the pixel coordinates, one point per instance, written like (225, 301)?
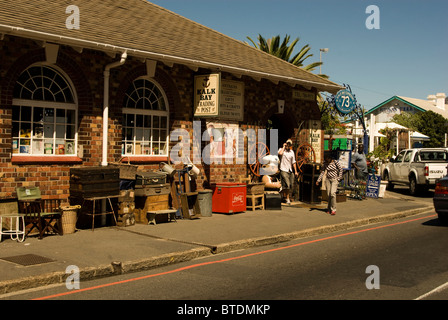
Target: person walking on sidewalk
(332, 171)
(287, 165)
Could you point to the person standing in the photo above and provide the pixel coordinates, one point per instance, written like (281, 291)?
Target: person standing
(332, 171)
(359, 161)
(287, 166)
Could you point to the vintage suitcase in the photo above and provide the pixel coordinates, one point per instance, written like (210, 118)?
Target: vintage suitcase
(149, 178)
(152, 190)
(272, 201)
(89, 182)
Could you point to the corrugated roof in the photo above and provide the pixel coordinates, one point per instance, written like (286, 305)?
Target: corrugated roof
(145, 30)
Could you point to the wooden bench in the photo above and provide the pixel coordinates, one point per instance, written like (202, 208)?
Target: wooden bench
(152, 215)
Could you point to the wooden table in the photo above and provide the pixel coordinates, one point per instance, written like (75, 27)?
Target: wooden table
(94, 200)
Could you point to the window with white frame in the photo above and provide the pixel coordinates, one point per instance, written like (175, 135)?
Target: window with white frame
(145, 120)
(44, 113)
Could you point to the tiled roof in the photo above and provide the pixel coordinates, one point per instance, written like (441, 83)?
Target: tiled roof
(145, 30)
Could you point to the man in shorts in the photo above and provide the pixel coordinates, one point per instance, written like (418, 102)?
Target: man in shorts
(288, 169)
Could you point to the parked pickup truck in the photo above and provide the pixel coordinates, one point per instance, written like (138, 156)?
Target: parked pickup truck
(418, 168)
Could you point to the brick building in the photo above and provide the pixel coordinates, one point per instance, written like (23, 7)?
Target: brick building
(95, 82)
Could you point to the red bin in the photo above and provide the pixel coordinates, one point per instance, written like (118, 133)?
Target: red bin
(229, 197)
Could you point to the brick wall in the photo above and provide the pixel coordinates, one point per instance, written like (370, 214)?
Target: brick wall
(85, 71)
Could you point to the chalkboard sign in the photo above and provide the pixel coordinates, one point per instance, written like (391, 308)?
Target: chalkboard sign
(373, 186)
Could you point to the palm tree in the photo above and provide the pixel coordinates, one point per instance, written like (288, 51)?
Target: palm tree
(285, 50)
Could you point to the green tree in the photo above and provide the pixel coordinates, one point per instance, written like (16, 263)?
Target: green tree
(429, 123)
(284, 50)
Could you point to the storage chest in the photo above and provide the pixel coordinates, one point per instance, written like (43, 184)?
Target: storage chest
(229, 197)
(87, 182)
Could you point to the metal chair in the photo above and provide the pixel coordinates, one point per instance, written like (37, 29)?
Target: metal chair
(43, 214)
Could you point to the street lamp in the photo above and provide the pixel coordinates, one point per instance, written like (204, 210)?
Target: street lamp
(325, 50)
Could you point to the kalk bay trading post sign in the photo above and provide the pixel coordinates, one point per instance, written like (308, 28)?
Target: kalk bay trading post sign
(206, 95)
(217, 98)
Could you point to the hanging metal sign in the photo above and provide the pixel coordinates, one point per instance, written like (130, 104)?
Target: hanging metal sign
(345, 102)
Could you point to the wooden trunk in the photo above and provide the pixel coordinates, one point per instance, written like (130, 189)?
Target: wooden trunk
(94, 182)
(149, 203)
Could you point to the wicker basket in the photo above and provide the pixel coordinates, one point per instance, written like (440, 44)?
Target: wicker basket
(255, 188)
(127, 171)
(69, 217)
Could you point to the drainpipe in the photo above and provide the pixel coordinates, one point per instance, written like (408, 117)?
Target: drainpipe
(106, 104)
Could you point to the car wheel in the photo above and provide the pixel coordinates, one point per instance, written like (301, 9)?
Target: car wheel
(390, 185)
(443, 219)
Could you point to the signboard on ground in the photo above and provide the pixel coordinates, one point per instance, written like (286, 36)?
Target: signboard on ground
(373, 186)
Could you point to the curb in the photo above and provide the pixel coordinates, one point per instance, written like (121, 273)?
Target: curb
(117, 267)
(262, 241)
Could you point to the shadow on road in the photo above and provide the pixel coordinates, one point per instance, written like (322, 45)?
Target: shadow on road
(434, 223)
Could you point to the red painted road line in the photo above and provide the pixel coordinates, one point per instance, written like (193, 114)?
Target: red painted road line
(228, 259)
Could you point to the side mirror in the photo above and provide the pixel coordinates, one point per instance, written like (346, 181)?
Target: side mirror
(392, 159)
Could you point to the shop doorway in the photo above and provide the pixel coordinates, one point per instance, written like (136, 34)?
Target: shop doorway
(285, 125)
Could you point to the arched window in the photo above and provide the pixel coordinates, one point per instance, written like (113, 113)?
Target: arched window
(145, 119)
(44, 113)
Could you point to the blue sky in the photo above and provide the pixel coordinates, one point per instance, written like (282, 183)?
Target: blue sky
(407, 56)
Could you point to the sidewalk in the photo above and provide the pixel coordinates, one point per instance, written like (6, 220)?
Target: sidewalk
(110, 250)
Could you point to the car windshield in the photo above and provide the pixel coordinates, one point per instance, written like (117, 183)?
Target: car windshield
(436, 156)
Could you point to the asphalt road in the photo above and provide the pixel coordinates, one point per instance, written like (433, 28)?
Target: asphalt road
(407, 256)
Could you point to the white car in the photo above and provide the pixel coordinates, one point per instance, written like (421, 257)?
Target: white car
(420, 169)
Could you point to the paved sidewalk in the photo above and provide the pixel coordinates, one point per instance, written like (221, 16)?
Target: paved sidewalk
(110, 250)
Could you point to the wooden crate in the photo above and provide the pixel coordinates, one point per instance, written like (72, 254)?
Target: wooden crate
(190, 205)
(126, 220)
(149, 203)
(126, 195)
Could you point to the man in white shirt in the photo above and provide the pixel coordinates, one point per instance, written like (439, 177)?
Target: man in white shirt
(287, 167)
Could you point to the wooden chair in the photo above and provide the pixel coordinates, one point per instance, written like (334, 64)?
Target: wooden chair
(43, 214)
(32, 210)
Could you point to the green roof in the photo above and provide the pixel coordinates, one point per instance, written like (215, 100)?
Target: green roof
(391, 99)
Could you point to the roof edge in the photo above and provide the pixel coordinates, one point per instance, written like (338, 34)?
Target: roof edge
(43, 36)
(389, 100)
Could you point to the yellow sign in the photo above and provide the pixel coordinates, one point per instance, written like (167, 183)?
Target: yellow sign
(206, 95)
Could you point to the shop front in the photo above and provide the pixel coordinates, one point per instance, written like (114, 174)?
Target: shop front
(77, 98)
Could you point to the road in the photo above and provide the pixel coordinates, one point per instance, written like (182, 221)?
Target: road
(407, 256)
(399, 260)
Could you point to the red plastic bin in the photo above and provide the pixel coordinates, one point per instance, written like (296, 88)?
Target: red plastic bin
(229, 197)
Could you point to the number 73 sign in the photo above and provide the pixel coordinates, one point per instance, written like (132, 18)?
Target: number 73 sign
(345, 102)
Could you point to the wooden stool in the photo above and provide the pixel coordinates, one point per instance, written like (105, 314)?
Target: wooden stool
(253, 201)
(152, 215)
